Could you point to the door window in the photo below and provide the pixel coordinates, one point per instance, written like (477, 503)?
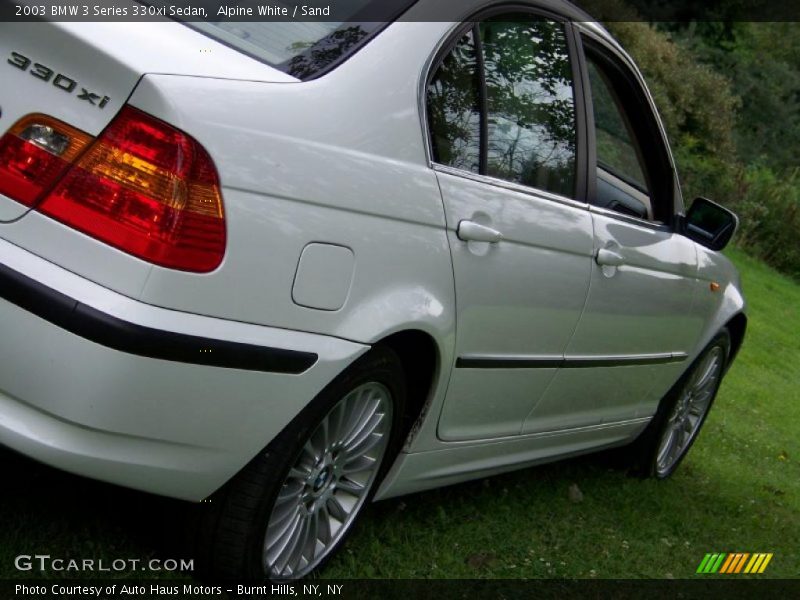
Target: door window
(617, 151)
(502, 104)
(454, 108)
(628, 180)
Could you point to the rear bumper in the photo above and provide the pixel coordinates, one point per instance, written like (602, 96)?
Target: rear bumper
(131, 338)
(168, 402)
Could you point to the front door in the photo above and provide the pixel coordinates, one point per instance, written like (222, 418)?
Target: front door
(637, 327)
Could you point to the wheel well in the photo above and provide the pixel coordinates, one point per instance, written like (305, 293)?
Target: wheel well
(736, 326)
(419, 357)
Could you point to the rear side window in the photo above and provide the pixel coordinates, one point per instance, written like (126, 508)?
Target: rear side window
(506, 91)
(454, 108)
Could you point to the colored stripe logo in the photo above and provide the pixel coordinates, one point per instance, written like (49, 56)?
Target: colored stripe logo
(734, 563)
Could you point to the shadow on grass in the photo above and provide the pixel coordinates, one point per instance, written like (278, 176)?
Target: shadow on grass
(52, 512)
(47, 511)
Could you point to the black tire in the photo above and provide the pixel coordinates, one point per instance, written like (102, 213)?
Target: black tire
(233, 524)
(644, 451)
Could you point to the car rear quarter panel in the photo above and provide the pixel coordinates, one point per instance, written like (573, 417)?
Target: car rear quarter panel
(338, 160)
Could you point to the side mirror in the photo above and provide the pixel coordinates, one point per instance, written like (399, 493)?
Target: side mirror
(709, 224)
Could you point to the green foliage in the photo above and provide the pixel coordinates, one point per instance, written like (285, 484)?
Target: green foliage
(734, 135)
(760, 59)
(769, 209)
(696, 104)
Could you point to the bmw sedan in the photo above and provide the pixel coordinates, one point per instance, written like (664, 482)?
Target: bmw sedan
(292, 268)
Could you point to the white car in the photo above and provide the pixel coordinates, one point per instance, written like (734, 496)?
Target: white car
(294, 267)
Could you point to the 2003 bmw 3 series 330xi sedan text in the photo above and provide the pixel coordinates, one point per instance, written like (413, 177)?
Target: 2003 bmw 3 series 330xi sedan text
(319, 264)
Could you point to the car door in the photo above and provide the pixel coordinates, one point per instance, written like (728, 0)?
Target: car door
(637, 328)
(507, 145)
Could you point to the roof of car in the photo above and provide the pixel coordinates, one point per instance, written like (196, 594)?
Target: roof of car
(458, 10)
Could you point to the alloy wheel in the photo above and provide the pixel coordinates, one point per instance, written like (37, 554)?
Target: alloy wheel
(328, 483)
(689, 411)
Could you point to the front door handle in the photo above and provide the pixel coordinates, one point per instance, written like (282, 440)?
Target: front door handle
(470, 231)
(609, 258)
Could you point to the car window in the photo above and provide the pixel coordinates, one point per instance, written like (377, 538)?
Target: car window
(454, 111)
(616, 148)
(628, 180)
(502, 104)
(530, 103)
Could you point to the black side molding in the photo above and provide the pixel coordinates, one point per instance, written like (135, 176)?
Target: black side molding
(118, 334)
(486, 362)
(576, 362)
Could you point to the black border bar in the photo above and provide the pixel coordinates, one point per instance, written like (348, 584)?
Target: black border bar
(742, 587)
(384, 11)
(118, 334)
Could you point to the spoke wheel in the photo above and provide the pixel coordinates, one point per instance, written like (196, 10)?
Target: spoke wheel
(667, 439)
(328, 482)
(295, 503)
(690, 410)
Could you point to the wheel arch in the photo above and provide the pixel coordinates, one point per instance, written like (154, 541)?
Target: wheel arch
(420, 357)
(736, 326)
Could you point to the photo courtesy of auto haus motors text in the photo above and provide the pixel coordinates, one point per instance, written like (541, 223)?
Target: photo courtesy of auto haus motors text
(153, 590)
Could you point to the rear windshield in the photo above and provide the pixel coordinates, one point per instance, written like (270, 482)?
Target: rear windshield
(305, 49)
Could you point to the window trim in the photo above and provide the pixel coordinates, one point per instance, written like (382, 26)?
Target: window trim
(449, 42)
(510, 186)
(623, 64)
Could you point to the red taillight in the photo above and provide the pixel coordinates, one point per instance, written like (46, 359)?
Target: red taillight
(145, 188)
(34, 154)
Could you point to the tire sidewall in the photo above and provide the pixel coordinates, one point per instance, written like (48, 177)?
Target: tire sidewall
(652, 436)
(378, 365)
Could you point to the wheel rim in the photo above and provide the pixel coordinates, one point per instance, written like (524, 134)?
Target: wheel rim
(328, 483)
(689, 411)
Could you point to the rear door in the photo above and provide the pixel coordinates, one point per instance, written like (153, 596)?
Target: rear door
(507, 142)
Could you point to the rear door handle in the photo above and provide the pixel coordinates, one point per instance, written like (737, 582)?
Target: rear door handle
(470, 231)
(609, 258)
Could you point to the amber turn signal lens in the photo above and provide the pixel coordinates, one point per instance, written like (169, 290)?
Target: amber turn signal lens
(142, 186)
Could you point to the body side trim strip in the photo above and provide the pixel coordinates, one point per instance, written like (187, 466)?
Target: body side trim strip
(567, 362)
(118, 334)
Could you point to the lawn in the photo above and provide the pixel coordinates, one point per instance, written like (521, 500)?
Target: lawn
(739, 490)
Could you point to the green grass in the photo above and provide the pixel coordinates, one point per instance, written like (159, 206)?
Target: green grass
(737, 491)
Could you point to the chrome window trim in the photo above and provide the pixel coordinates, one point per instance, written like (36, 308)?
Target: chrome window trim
(508, 185)
(630, 219)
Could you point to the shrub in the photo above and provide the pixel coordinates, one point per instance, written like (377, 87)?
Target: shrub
(769, 208)
(701, 114)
